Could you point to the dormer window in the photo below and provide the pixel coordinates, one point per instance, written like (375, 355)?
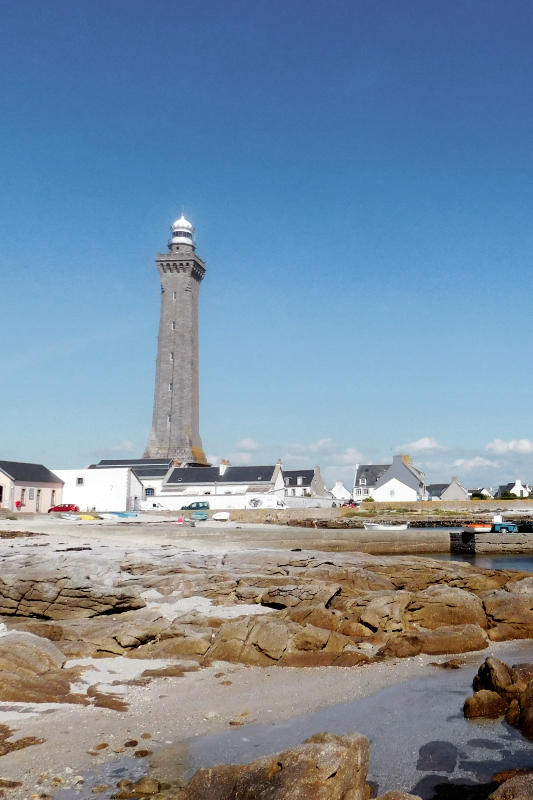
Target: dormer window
(299, 480)
(362, 481)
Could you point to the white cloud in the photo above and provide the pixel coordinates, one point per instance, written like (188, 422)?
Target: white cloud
(474, 463)
(248, 444)
(335, 462)
(512, 446)
(424, 445)
(125, 446)
(240, 458)
(319, 446)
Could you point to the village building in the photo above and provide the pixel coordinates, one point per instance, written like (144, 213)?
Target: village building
(113, 489)
(484, 491)
(305, 488)
(518, 488)
(340, 493)
(366, 479)
(28, 487)
(447, 491)
(151, 472)
(223, 487)
(400, 481)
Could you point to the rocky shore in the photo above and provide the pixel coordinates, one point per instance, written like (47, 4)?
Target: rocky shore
(95, 621)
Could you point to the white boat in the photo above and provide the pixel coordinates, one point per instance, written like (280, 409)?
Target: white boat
(221, 516)
(386, 526)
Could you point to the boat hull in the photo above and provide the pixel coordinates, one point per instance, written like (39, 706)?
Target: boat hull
(377, 526)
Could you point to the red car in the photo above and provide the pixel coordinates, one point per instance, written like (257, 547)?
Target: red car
(64, 507)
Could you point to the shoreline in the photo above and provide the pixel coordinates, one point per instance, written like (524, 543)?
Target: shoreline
(168, 712)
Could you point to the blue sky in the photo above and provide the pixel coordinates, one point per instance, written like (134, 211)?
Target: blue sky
(360, 175)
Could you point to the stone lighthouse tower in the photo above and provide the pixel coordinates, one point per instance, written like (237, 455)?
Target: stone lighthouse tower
(175, 426)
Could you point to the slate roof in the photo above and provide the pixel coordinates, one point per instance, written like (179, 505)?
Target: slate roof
(193, 475)
(372, 473)
(212, 475)
(436, 489)
(29, 473)
(150, 472)
(132, 462)
(247, 474)
(508, 487)
(142, 467)
(291, 477)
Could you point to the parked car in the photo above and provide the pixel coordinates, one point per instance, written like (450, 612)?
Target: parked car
(198, 506)
(64, 507)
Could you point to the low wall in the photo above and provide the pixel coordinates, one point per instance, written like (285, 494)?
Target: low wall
(475, 542)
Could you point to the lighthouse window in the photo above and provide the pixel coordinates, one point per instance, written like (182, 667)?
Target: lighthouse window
(168, 419)
(173, 326)
(172, 356)
(173, 295)
(169, 387)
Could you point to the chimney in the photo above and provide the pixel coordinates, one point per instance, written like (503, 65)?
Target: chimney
(222, 467)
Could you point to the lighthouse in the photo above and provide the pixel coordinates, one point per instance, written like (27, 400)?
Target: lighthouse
(175, 430)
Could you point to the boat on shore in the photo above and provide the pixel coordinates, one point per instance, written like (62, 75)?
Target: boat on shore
(386, 526)
(478, 527)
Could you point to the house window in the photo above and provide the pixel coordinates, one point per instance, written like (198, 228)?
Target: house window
(52, 497)
(362, 481)
(365, 491)
(31, 494)
(392, 492)
(287, 481)
(299, 480)
(79, 481)
(149, 492)
(23, 497)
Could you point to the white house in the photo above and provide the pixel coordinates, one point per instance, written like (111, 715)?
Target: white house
(400, 481)
(169, 486)
(26, 486)
(340, 492)
(447, 491)
(487, 493)
(518, 488)
(305, 488)
(152, 472)
(111, 489)
(223, 487)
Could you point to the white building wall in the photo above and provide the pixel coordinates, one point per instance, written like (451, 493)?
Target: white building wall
(235, 497)
(394, 491)
(340, 492)
(520, 489)
(114, 489)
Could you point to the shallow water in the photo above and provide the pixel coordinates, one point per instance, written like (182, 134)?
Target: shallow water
(419, 737)
(520, 561)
